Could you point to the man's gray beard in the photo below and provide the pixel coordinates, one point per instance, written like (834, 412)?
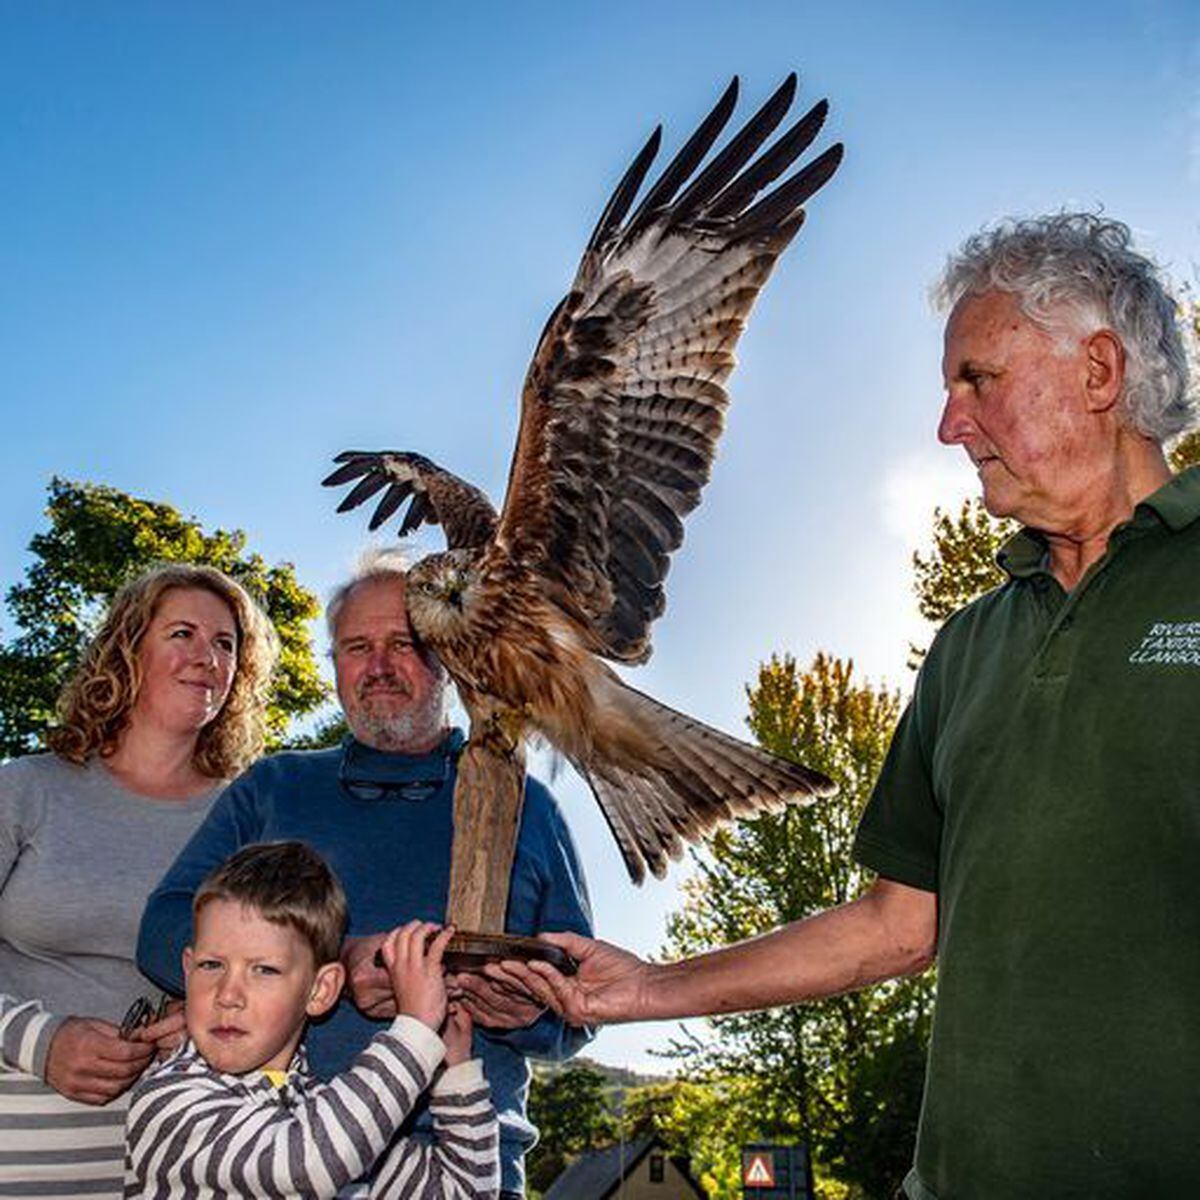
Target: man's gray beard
(411, 731)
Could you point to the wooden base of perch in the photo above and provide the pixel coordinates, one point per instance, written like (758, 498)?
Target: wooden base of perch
(488, 798)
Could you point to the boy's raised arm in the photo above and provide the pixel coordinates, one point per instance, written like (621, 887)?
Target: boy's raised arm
(463, 1163)
(187, 1124)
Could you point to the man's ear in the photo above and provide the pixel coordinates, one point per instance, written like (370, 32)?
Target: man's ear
(1105, 370)
(187, 961)
(326, 988)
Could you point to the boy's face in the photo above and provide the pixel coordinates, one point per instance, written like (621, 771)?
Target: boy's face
(250, 986)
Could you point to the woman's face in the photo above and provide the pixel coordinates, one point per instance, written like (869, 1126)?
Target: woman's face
(188, 657)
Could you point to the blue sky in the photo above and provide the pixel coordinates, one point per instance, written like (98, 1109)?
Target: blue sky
(238, 238)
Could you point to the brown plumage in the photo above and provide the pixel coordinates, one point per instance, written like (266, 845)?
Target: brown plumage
(620, 415)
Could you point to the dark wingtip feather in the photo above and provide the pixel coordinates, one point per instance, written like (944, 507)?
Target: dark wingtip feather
(622, 197)
(790, 145)
(778, 205)
(418, 512)
(347, 471)
(390, 501)
(364, 489)
(736, 154)
(679, 169)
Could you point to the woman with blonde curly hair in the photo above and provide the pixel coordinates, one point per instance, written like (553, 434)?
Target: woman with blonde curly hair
(167, 705)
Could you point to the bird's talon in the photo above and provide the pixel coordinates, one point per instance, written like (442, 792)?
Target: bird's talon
(504, 730)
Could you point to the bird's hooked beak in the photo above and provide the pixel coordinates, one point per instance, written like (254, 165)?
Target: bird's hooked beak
(452, 590)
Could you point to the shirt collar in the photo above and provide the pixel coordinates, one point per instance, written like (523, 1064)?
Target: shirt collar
(1026, 553)
(190, 1057)
(1177, 502)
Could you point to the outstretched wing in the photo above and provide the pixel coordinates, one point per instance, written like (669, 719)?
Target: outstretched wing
(436, 497)
(625, 400)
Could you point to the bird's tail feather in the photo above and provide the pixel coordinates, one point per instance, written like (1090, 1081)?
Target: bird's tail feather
(687, 779)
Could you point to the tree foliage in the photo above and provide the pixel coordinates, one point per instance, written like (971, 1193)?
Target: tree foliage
(327, 733)
(1186, 452)
(571, 1113)
(962, 562)
(98, 537)
(707, 1119)
(812, 1071)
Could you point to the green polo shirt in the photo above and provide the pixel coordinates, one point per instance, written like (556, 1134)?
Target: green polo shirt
(1045, 782)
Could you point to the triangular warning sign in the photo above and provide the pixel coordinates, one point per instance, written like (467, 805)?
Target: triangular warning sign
(759, 1170)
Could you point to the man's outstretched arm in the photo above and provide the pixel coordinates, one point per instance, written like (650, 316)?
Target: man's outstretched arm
(890, 931)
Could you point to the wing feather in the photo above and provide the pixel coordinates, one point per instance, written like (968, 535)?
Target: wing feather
(771, 165)
(685, 162)
(736, 154)
(436, 497)
(624, 401)
(363, 490)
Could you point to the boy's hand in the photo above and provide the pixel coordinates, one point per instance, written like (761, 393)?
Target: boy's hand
(412, 955)
(457, 1034)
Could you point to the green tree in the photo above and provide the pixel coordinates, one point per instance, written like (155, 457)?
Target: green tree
(99, 536)
(806, 1067)
(707, 1119)
(328, 732)
(1186, 452)
(962, 563)
(571, 1112)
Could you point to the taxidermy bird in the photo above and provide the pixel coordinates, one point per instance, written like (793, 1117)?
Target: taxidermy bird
(621, 411)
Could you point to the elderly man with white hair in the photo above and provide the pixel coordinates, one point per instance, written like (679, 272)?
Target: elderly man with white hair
(379, 809)
(1036, 826)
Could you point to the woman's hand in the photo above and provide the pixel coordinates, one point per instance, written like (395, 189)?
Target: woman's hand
(90, 1062)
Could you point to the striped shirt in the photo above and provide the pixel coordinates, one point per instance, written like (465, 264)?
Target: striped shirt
(50, 1147)
(195, 1132)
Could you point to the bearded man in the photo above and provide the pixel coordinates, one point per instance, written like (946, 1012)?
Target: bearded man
(1036, 826)
(379, 809)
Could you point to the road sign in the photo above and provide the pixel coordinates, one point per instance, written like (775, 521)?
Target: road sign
(758, 1169)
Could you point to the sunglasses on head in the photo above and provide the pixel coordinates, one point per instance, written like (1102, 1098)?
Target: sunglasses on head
(143, 1012)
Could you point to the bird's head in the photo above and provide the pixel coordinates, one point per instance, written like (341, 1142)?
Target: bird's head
(438, 592)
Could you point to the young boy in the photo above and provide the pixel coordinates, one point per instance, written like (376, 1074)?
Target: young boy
(234, 1112)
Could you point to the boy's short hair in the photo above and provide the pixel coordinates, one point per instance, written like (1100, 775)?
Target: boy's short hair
(287, 883)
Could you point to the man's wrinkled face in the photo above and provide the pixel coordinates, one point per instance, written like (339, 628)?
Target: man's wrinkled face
(393, 698)
(1014, 402)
